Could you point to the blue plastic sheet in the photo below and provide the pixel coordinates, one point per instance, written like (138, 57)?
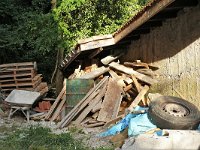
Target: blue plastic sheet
(136, 123)
(140, 124)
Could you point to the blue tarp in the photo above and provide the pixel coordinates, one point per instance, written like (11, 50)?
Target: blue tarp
(136, 123)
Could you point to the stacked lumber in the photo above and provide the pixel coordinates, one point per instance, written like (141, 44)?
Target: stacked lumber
(120, 90)
(21, 76)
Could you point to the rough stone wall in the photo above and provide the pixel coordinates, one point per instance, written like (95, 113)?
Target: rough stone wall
(175, 48)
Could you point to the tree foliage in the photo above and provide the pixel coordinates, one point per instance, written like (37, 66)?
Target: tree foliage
(31, 31)
(79, 19)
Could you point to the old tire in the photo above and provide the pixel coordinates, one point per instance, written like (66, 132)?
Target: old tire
(169, 112)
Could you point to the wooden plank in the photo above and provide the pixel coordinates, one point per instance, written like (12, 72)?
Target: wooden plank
(110, 58)
(130, 71)
(147, 72)
(94, 125)
(17, 75)
(58, 109)
(141, 18)
(113, 121)
(93, 103)
(48, 115)
(136, 83)
(97, 107)
(95, 52)
(111, 102)
(138, 98)
(96, 44)
(136, 64)
(95, 73)
(119, 79)
(128, 87)
(94, 38)
(116, 108)
(70, 116)
(17, 64)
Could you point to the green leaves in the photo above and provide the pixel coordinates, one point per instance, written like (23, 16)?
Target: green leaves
(80, 19)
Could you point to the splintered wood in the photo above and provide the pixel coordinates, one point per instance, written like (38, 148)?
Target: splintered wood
(113, 96)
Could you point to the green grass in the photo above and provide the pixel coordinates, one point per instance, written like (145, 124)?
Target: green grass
(39, 138)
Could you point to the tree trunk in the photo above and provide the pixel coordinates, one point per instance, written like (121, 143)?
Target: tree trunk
(57, 77)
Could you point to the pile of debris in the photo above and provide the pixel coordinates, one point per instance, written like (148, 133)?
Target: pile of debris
(22, 76)
(121, 88)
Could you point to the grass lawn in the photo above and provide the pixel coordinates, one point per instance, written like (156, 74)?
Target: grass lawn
(40, 138)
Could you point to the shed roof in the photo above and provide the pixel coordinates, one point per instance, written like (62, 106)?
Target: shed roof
(151, 16)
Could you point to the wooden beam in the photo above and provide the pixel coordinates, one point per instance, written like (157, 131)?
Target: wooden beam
(148, 13)
(130, 71)
(96, 52)
(95, 73)
(96, 44)
(138, 98)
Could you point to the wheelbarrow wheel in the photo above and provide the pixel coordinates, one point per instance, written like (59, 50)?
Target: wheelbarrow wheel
(168, 112)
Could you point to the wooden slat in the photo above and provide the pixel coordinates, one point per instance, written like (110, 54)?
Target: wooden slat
(58, 109)
(48, 115)
(138, 98)
(137, 84)
(111, 102)
(91, 106)
(130, 71)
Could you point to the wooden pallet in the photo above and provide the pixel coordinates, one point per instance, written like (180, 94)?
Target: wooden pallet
(20, 80)
(24, 84)
(17, 76)
(17, 71)
(19, 65)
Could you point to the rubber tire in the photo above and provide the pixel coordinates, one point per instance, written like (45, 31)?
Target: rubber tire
(164, 120)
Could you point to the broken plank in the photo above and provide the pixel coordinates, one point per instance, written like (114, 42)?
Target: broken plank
(48, 115)
(130, 71)
(138, 98)
(95, 73)
(91, 106)
(111, 101)
(70, 116)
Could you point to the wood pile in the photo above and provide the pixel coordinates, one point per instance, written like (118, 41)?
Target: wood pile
(21, 76)
(122, 87)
